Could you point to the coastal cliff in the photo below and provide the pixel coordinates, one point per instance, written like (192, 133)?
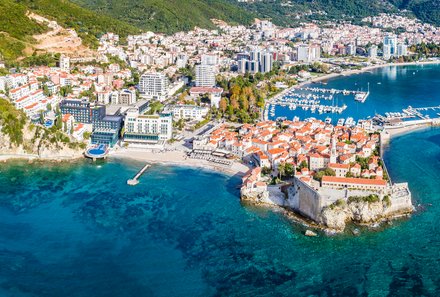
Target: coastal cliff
(336, 217)
(38, 142)
(333, 208)
(19, 138)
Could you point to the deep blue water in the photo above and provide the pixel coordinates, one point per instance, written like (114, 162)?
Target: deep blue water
(79, 230)
(391, 89)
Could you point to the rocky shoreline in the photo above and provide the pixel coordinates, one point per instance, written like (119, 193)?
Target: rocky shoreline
(333, 218)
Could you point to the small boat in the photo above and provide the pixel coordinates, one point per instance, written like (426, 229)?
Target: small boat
(328, 120)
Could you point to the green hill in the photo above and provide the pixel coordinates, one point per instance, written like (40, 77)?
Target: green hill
(16, 29)
(171, 15)
(88, 24)
(282, 14)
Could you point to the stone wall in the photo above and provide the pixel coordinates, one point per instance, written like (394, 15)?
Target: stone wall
(305, 200)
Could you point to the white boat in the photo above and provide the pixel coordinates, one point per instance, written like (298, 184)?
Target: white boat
(341, 122)
(328, 120)
(349, 121)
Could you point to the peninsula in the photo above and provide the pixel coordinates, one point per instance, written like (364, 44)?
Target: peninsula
(328, 174)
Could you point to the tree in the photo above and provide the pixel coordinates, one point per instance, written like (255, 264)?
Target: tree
(281, 170)
(290, 169)
(265, 170)
(325, 172)
(303, 164)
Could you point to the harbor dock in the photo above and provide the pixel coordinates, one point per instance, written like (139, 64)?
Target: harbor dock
(134, 181)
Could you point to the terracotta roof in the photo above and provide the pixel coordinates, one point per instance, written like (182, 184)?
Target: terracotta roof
(336, 165)
(350, 180)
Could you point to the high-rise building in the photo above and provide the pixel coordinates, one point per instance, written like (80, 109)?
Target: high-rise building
(391, 41)
(302, 53)
(252, 66)
(65, 63)
(181, 61)
(242, 65)
(351, 50)
(257, 61)
(372, 52)
(314, 52)
(306, 53)
(205, 76)
(402, 50)
(154, 85)
(266, 63)
(387, 52)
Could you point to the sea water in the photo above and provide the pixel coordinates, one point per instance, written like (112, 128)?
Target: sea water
(392, 89)
(80, 230)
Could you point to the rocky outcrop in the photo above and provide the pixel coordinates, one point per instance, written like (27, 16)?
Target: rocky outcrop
(255, 196)
(336, 217)
(40, 143)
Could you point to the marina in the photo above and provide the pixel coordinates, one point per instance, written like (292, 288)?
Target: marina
(314, 100)
(377, 95)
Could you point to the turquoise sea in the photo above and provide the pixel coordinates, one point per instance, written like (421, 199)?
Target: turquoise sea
(79, 230)
(391, 89)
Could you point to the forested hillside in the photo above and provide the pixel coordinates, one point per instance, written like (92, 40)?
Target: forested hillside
(92, 18)
(88, 24)
(282, 14)
(171, 15)
(16, 29)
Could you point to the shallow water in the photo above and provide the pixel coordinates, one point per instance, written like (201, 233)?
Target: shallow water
(79, 230)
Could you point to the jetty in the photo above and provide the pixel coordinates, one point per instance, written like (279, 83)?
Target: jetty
(135, 180)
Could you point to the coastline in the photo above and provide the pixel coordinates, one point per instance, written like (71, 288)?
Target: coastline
(34, 157)
(177, 158)
(343, 73)
(359, 71)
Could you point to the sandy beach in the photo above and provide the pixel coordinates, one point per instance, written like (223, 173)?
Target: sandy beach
(178, 158)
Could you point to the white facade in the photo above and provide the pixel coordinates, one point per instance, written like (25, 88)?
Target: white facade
(386, 52)
(65, 63)
(402, 50)
(372, 52)
(302, 53)
(391, 41)
(154, 86)
(205, 76)
(209, 60)
(351, 50)
(189, 112)
(160, 126)
(267, 62)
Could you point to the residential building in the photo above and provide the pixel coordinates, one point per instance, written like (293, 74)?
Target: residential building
(154, 86)
(64, 63)
(189, 112)
(205, 76)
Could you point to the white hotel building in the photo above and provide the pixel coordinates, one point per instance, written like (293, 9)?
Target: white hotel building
(147, 129)
(154, 86)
